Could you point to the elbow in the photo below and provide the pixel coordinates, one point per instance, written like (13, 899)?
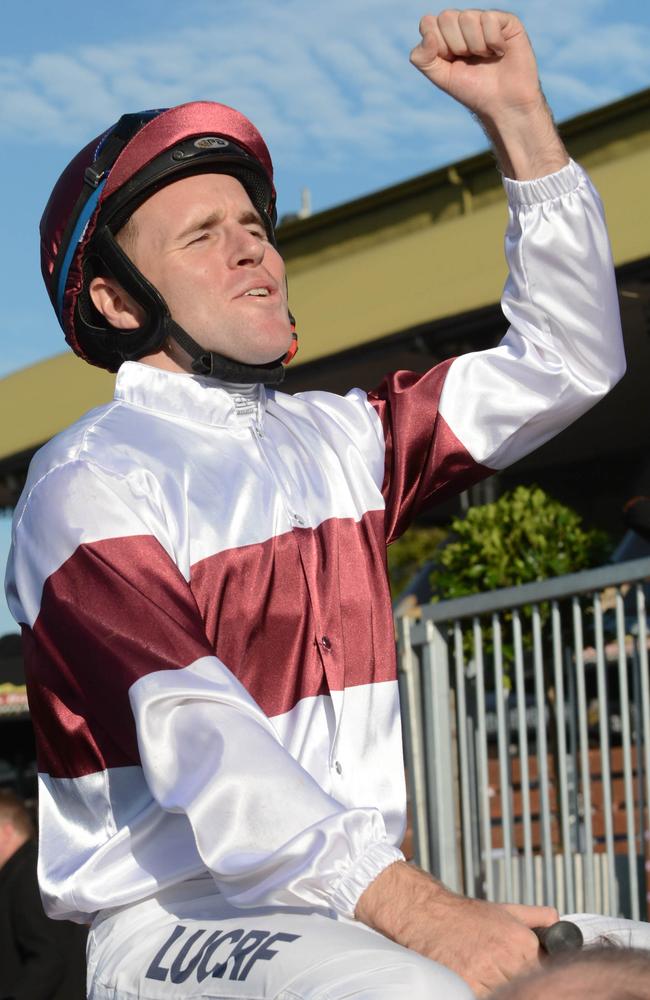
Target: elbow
(604, 370)
(614, 371)
(588, 386)
(616, 364)
(619, 372)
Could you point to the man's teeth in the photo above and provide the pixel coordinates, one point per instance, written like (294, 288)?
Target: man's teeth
(258, 291)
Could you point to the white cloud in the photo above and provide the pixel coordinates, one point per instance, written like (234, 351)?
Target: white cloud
(620, 52)
(279, 74)
(564, 89)
(330, 85)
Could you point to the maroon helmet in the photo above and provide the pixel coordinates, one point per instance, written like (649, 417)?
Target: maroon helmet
(98, 192)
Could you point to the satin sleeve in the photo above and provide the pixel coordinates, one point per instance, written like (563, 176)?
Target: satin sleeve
(563, 351)
(121, 677)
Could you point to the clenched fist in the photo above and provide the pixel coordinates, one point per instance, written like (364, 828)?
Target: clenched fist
(484, 60)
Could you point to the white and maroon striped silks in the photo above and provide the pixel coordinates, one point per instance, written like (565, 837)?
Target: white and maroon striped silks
(200, 576)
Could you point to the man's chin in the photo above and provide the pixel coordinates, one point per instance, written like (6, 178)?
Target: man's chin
(257, 346)
(266, 355)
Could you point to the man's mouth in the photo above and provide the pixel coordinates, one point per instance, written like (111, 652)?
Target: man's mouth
(261, 292)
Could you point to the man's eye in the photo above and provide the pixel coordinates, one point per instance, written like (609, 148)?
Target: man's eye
(199, 239)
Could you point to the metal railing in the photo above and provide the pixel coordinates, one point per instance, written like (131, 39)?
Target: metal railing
(526, 717)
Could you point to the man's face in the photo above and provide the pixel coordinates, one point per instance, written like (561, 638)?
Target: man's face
(203, 246)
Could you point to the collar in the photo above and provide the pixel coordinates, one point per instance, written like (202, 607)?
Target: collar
(190, 397)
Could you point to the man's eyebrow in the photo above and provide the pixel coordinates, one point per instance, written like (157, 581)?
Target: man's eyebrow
(246, 217)
(199, 222)
(251, 216)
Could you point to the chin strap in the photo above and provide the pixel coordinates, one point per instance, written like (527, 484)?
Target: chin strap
(215, 365)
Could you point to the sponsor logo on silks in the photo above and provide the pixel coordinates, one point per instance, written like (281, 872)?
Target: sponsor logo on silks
(234, 951)
(210, 141)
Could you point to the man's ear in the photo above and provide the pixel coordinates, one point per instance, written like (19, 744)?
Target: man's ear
(116, 305)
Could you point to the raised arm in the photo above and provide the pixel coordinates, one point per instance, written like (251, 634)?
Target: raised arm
(562, 353)
(563, 350)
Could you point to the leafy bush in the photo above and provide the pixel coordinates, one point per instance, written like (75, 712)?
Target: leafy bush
(523, 536)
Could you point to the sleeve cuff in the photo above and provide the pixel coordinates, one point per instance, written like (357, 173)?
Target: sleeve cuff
(349, 888)
(543, 189)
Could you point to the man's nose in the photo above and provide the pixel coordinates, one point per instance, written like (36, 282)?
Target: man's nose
(246, 248)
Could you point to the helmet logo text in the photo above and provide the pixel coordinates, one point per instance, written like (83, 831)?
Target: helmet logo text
(210, 142)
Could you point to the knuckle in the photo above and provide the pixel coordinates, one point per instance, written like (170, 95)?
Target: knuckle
(490, 18)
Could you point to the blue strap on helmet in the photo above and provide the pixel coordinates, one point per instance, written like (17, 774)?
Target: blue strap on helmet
(75, 238)
(95, 175)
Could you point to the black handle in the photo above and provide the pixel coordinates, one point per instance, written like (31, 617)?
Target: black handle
(559, 937)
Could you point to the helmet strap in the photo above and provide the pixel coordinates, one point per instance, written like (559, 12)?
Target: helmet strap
(215, 365)
(159, 325)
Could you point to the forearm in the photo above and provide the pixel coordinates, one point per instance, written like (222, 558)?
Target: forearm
(392, 903)
(485, 943)
(525, 141)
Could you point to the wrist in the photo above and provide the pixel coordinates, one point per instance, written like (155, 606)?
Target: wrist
(514, 117)
(392, 902)
(348, 888)
(525, 140)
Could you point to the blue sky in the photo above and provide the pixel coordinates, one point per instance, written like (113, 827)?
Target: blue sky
(329, 85)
